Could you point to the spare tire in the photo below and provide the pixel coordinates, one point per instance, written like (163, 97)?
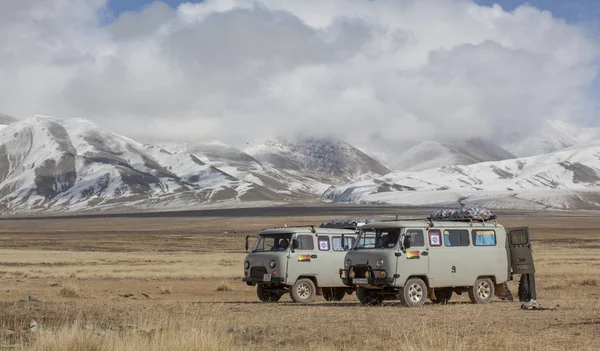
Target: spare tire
(524, 292)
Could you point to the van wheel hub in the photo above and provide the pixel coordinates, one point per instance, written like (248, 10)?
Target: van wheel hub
(483, 290)
(415, 292)
(303, 291)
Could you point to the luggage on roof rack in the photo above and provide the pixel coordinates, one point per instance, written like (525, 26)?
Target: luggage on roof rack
(463, 214)
(344, 223)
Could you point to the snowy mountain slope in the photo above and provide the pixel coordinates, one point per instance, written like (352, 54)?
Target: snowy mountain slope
(51, 163)
(552, 136)
(433, 154)
(245, 167)
(564, 179)
(320, 159)
(5, 120)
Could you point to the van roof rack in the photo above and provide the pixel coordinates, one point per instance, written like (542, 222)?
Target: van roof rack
(352, 223)
(312, 226)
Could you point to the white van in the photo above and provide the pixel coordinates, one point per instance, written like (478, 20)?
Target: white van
(301, 261)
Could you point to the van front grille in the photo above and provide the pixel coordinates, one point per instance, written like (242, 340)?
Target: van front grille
(360, 271)
(257, 272)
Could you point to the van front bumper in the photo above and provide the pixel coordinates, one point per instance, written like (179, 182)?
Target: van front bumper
(254, 281)
(374, 278)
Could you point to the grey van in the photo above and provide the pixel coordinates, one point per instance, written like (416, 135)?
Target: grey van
(301, 261)
(414, 260)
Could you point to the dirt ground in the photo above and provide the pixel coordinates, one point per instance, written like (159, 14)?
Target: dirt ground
(175, 283)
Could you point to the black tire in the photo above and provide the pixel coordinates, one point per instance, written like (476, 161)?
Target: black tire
(524, 293)
(333, 294)
(266, 295)
(368, 297)
(482, 291)
(442, 296)
(327, 294)
(304, 291)
(414, 292)
(338, 294)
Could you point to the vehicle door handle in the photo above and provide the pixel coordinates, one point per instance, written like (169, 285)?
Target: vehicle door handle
(313, 256)
(424, 253)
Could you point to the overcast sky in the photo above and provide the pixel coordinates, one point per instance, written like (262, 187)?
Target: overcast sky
(358, 69)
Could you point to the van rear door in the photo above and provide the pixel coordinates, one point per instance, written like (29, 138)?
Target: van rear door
(519, 246)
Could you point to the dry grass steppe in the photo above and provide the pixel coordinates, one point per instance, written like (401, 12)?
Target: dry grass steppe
(175, 283)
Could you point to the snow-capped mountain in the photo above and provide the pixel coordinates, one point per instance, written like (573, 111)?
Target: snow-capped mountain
(433, 154)
(65, 164)
(245, 167)
(565, 179)
(53, 164)
(552, 136)
(5, 120)
(320, 159)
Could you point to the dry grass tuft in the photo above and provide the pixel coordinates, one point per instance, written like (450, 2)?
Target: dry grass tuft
(196, 334)
(224, 287)
(590, 282)
(69, 291)
(165, 289)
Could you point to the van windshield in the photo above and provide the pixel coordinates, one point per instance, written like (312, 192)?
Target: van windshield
(377, 239)
(272, 242)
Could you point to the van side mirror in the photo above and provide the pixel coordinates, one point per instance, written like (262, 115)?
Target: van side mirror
(406, 242)
(247, 236)
(294, 244)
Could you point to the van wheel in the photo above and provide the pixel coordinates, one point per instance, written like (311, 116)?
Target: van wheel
(442, 296)
(482, 291)
(303, 291)
(338, 294)
(368, 297)
(333, 294)
(266, 295)
(414, 292)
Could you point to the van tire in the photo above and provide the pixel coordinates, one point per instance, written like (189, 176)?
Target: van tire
(482, 291)
(333, 294)
(267, 295)
(442, 296)
(304, 291)
(414, 292)
(368, 297)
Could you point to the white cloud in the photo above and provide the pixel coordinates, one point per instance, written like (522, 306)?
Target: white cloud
(359, 69)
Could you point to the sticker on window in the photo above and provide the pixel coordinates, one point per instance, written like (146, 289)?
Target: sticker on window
(324, 245)
(435, 239)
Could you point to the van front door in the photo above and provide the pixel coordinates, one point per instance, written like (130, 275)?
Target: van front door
(303, 261)
(521, 256)
(413, 261)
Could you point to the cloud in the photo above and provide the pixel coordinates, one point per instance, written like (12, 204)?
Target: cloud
(364, 71)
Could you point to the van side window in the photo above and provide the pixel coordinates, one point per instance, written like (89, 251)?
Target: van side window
(336, 243)
(435, 238)
(323, 243)
(454, 237)
(484, 237)
(305, 242)
(416, 237)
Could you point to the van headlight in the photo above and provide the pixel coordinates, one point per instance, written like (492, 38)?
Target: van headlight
(348, 263)
(379, 263)
(246, 265)
(272, 264)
